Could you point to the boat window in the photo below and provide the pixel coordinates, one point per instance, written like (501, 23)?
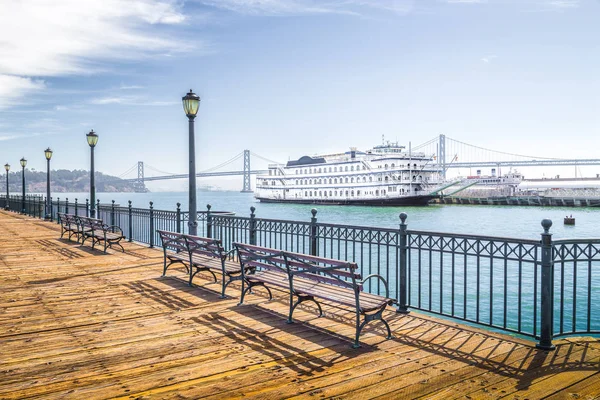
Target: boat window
(273, 183)
(306, 194)
(329, 169)
(364, 168)
(377, 193)
(346, 180)
(346, 168)
(383, 192)
(330, 181)
(386, 166)
(358, 192)
(320, 193)
(330, 192)
(352, 193)
(370, 179)
(352, 168)
(346, 193)
(387, 178)
(351, 180)
(319, 170)
(310, 181)
(415, 165)
(393, 166)
(334, 169)
(335, 192)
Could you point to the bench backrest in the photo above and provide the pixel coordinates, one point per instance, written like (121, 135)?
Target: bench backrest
(204, 246)
(67, 219)
(172, 241)
(92, 223)
(261, 258)
(325, 270)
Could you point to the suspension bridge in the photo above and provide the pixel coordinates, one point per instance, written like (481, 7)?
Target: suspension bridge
(448, 153)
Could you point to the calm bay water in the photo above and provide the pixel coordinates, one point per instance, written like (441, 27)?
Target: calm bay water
(505, 221)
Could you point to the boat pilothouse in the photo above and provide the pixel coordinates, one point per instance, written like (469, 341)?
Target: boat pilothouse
(384, 175)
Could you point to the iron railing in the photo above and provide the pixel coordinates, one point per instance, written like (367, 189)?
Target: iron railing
(535, 288)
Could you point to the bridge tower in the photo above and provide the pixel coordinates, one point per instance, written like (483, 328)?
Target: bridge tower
(442, 155)
(247, 188)
(139, 185)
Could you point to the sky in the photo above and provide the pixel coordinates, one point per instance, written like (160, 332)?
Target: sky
(287, 78)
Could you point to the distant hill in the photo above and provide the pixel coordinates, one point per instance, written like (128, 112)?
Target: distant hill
(63, 180)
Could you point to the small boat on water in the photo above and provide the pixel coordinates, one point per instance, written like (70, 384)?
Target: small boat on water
(570, 220)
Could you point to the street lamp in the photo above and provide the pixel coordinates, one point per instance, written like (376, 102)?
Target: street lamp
(23, 162)
(191, 102)
(92, 139)
(48, 154)
(7, 168)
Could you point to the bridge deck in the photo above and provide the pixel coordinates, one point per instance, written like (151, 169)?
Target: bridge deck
(76, 323)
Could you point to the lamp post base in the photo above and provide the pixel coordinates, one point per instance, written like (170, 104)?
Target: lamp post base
(48, 217)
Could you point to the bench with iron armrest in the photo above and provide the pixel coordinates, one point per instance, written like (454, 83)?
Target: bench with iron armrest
(200, 254)
(311, 278)
(174, 250)
(261, 266)
(70, 225)
(96, 230)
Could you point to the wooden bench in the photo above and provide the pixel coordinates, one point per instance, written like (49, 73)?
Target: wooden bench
(98, 231)
(310, 278)
(199, 254)
(69, 223)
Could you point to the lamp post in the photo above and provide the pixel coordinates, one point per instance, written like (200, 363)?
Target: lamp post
(23, 162)
(92, 139)
(191, 102)
(7, 168)
(48, 154)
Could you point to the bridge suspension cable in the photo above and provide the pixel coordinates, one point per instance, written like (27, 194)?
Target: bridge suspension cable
(130, 170)
(264, 158)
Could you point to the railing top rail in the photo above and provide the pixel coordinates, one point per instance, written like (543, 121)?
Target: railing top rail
(283, 220)
(576, 241)
(475, 237)
(330, 225)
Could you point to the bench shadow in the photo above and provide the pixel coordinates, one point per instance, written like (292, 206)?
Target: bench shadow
(282, 352)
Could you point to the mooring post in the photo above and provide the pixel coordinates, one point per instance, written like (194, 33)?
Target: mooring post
(178, 217)
(151, 225)
(208, 221)
(252, 226)
(313, 232)
(87, 208)
(130, 220)
(547, 289)
(66, 205)
(76, 212)
(402, 281)
(97, 212)
(57, 210)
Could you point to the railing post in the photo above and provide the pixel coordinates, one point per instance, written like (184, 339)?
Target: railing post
(66, 205)
(252, 226)
(547, 301)
(130, 220)
(313, 233)
(87, 208)
(178, 217)
(112, 214)
(98, 209)
(402, 278)
(208, 221)
(151, 225)
(57, 209)
(76, 211)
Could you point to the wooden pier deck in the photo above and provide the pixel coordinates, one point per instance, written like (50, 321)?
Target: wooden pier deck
(81, 324)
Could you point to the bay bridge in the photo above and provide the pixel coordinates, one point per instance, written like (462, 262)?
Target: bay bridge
(446, 152)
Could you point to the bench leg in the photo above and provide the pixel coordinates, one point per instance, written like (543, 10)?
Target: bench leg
(302, 298)
(198, 269)
(249, 289)
(368, 318)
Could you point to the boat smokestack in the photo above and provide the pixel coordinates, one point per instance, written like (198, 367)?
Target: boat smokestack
(352, 152)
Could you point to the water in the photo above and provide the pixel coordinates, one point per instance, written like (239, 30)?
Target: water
(504, 221)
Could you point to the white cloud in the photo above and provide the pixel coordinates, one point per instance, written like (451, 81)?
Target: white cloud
(303, 7)
(41, 38)
(15, 88)
(488, 59)
(466, 1)
(130, 101)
